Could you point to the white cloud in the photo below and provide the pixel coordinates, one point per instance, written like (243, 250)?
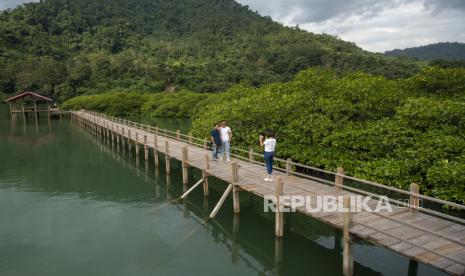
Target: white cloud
(9, 4)
(379, 26)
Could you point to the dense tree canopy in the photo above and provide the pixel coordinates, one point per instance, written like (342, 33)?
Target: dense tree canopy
(66, 48)
(390, 131)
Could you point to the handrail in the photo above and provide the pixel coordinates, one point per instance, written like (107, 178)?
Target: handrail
(190, 139)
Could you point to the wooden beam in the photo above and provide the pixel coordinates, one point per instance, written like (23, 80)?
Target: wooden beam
(221, 201)
(192, 188)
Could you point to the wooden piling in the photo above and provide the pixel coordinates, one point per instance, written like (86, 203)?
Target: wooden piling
(234, 241)
(414, 201)
(339, 180)
(155, 149)
(146, 149)
(205, 176)
(235, 181)
(136, 144)
(347, 262)
(279, 218)
(167, 157)
(185, 169)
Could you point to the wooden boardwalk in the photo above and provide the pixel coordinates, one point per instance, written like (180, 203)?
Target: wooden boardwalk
(421, 236)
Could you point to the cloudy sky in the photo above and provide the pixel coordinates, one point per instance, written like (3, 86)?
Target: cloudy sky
(375, 25)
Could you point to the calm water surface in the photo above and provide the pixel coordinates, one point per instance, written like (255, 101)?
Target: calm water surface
(73, 205)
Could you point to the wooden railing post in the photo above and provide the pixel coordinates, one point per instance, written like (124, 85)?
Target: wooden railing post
(288, 166)
(235, 181)
(414, 201)
(190, 138)
(205, 143)
(339, 181)
(178, 135)
(251, 157)
(347, 262)
(279, 218)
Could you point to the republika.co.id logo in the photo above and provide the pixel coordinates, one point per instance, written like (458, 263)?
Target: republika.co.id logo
(326, 203)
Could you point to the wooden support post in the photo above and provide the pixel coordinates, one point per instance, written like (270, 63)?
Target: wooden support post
(155, 150)
(251, 154)
(288, 166)
(146, 149)
(205, 176)
(235, 181)
(414, 201)
(339, 180)
(185, 169)
(347, 261)
(221, 201)
(234, 241)
(178, 135)
(136, 144)
(205, 143)
(190, 138)
(35, 109)
(167, 158)
(278, 255)
(412, 268)
(279, 219)
(129, 140)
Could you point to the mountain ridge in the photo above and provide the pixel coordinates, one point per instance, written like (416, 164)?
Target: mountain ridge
(66, 48)
(453, 51)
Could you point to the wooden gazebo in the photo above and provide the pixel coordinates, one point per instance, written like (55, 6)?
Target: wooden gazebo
(29, 102)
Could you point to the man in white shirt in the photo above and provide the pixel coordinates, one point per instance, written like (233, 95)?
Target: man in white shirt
(226, 135)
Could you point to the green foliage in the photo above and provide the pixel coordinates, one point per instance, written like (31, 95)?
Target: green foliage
(378, 129)
(173, 105)
(68, 48)
(439, 81)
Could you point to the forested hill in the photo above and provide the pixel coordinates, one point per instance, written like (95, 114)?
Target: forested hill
(64, 48)
(445, 50)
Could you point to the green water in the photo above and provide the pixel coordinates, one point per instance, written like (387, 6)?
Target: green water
(72, 205)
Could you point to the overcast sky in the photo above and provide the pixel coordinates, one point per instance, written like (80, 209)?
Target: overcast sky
(375, 25)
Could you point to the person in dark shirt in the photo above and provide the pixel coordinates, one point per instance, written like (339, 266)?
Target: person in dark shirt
(216, 141)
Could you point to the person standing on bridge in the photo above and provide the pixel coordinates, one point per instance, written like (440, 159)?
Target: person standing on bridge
(226, 135)
(269, 143)
(216, 141)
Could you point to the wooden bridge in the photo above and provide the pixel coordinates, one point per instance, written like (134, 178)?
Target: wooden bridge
(427, 235)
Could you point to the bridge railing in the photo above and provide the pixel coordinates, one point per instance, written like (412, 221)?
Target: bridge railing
(437, 207)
